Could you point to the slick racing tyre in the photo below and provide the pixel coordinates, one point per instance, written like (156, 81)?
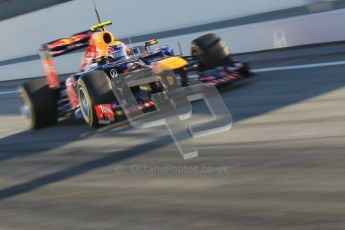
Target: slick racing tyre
(211, 51)
(94, 89)
(38, 103)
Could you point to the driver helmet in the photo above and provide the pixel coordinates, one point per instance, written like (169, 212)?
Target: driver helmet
(118, 51)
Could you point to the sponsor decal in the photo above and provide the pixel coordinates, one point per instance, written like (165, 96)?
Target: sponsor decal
(105, 112)
(113, 73)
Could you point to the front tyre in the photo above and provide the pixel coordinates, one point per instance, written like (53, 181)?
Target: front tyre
(211, 51)
(94, 89)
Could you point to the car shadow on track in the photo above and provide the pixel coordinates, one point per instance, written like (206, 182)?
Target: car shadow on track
(109, 159)
(33, 142)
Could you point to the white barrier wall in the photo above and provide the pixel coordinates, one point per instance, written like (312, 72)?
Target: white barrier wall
(314, 28)
(22, 36)
(295, 31)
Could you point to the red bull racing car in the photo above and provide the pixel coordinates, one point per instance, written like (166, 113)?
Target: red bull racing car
(89, 96)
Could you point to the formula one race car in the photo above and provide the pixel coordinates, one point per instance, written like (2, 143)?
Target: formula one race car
(89, 95)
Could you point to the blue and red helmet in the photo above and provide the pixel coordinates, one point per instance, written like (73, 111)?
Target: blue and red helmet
(118, 51)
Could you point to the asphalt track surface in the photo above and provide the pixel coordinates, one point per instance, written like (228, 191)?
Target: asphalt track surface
(282, 166)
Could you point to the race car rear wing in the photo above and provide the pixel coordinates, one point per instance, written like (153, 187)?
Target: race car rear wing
(63, 46)
(69, 44)
(74, 42)
(60, 47)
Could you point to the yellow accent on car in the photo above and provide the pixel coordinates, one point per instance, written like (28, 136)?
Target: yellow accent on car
(171, 63)
(102, 41)
(101, 25)
(116, 43)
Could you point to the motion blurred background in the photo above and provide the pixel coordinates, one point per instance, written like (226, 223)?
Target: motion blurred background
(26, 25)
(36, 25)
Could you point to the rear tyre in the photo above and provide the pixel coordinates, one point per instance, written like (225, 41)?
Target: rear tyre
(94, 89)
(211, 51)
(38, 103)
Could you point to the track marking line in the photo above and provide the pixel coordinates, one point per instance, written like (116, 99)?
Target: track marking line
(9, 92)
(293, 67)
